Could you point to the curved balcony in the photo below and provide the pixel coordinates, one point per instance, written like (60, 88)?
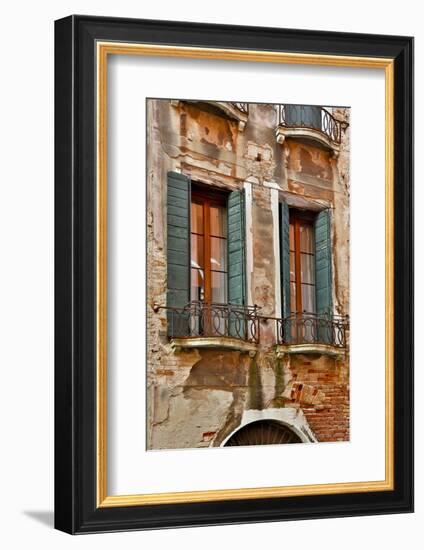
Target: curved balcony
(236, 110)
(236, 327)
(312, 333)
(211, 325)
(242, 107)
(310, 122)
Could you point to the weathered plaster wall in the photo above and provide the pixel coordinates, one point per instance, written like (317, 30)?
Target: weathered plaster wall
(196, 398)
(341, 213)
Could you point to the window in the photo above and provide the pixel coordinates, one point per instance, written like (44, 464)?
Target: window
(302, 263)
(306, 275)
(205, 249)
(208, 245)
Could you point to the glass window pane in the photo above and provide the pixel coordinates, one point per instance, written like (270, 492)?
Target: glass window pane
(292, 267)
(292, 246)
(197, 285)
(197, 256)
(218, 254)
(219, 287)
(307, 268)
(293, 297)
(218, 221)
(306, 238)
(197, 217)
(308, 298)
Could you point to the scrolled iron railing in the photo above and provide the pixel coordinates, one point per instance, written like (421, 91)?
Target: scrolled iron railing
(201, 319)
(312, 117)
(312, 328)
(242, 107)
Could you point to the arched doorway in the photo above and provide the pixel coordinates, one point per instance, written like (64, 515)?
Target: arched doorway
(263, 432)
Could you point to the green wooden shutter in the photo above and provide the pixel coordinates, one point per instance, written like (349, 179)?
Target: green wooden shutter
(236, 249)
(323, 273)
(236, 260)
(285, 268)
(178, 251)
(285, 258)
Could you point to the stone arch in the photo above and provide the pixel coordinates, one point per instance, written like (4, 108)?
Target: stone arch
(263, 432)
(287, 418)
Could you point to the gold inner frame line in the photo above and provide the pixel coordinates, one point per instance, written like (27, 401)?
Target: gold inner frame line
(103, 50)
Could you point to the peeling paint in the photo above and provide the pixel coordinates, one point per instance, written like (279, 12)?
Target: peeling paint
(197, 398)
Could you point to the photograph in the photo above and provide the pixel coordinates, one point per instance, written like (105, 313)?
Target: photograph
(247, 262)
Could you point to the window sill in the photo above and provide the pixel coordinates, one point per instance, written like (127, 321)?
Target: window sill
(214, 342)
(319, 349)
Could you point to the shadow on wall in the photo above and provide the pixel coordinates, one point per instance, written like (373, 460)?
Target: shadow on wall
(45, 517)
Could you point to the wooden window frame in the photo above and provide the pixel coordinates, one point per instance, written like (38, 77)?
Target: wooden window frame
(208, 198)
(298, 218)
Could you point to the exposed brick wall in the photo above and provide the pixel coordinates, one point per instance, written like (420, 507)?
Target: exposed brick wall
(320, 387)
(332, 422)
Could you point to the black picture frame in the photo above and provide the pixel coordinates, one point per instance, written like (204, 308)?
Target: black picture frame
(76, 509)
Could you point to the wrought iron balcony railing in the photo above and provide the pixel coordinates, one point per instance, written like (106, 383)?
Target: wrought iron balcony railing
(312, 117)
(310, 328)
(204, 320)
(242, 107)
(200, 319)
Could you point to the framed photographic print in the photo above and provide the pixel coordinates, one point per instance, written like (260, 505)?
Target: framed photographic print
(234, 274)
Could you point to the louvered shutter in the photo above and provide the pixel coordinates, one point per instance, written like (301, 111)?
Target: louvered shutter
(285, 258)
(323, 273)
(285, 267)
(178, 251)
(236, 260)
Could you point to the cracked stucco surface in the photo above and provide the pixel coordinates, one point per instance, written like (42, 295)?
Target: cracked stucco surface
(196, 398)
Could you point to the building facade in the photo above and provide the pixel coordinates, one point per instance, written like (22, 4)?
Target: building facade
(247, 274)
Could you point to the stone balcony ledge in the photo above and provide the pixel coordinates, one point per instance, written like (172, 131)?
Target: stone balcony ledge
(315, 348)
(312, 134)
(213, 342)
